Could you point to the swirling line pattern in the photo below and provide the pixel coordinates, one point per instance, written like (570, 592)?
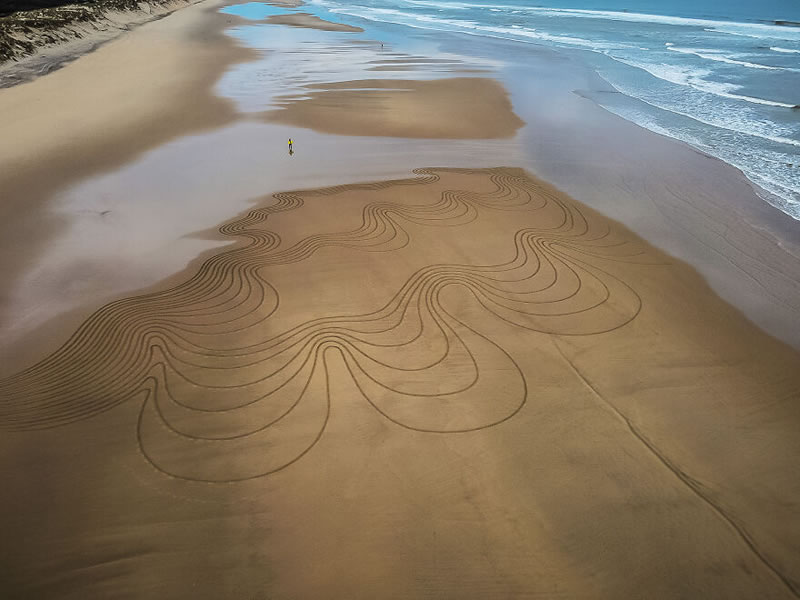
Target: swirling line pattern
(214, 385)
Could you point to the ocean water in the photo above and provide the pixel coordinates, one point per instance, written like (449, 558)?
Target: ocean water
(723, 76)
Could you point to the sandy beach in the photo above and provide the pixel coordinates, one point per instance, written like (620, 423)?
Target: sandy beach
(474, 337)
(405, 108)
(311, 21)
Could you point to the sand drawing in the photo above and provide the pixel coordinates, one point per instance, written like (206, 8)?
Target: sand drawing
(216, 374)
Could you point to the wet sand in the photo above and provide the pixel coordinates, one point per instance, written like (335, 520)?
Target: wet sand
(463, 383)
(94, 115)
(312, 22)
(454, 108)
(34, 44)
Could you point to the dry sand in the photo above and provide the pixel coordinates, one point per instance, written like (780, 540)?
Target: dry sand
(312, 22)
(454, 108)
(464, 384)
(36, 43)
(460, 385)
(99, 112)
(75, 120)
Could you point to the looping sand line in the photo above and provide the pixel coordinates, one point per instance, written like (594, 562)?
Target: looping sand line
(211, 386)
(420, 365)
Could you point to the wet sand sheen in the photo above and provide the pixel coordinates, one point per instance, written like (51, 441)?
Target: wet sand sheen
(312, 22)
(463, 383)
(69, 127)
(453, 108)
(98, 113)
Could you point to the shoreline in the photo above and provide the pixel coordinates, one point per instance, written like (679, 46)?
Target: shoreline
(318, 374)
(69, 48)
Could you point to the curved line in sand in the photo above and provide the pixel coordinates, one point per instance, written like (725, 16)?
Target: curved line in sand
(415, 362)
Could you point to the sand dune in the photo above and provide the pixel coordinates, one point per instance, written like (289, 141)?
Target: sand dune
(461, 384)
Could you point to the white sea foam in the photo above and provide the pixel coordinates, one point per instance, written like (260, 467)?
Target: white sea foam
(688, 76)
(763, 101)
(676, 74)
(548, 37)
(784, 198)
(694, 78)
(649, 122)
(754, 30)
(784, 192)
(445, 5)
(420, 20)
(742, 129)
(737, 28)
(400, 17)
(715, 55)
(733, 120)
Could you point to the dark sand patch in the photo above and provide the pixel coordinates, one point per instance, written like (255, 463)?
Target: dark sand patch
(287, 3)
(455, 108)
(311, 22)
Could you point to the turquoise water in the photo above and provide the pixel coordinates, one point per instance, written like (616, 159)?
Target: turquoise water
(722, 76)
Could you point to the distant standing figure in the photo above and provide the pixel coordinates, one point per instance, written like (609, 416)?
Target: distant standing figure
(290, 144)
